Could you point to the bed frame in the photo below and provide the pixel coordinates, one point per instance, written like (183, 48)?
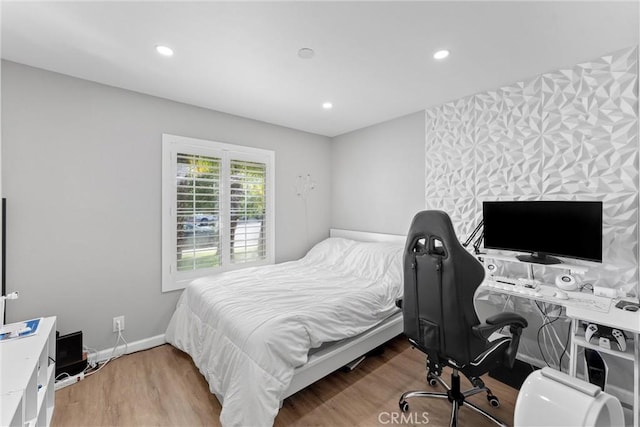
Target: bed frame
(335, 356)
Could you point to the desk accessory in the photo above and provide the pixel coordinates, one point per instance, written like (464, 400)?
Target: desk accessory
(604, 342)
(566, 282)
(601, 291)
(561, 295)
(19, 329)
(620, 338)
(591, 330)
(491, 268)
(628, 306)
(478, 242)
(605, 336)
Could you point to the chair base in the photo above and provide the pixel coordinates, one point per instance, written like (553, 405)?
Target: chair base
(455, 396)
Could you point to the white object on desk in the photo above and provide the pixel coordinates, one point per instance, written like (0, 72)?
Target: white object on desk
(601, 291)
(566, 282)
(491, 268)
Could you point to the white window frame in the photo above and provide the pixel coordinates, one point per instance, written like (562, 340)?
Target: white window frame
(172, 279)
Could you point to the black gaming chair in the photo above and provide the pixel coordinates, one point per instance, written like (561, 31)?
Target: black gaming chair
(440, 279)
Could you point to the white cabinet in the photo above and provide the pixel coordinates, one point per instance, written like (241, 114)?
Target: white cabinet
(27, 376)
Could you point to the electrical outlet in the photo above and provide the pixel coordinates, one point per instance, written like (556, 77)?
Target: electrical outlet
(116, 321)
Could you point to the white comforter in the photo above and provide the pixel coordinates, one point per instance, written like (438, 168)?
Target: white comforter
(247, 330)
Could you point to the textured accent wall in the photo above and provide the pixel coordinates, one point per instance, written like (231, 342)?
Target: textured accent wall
(571, 134)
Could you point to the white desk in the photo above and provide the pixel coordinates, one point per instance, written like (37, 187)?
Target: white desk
(587, 308)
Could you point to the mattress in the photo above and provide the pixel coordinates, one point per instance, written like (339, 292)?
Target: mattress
(247, 330)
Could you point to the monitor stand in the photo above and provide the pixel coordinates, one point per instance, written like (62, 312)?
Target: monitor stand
(539, 258)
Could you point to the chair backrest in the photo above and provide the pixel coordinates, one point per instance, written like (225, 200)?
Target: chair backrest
(440, 279)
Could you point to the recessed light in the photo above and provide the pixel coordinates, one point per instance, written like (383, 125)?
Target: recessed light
(164, 50)
(441, 54)
(327, 106)
(306, 53)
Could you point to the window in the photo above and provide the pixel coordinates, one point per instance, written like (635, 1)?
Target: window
(217, 208)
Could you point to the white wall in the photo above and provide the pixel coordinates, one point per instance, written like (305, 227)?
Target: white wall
(378, 176)
(81, 170)
(537, 140)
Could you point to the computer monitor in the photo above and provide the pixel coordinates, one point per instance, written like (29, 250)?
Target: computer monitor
(570, 229)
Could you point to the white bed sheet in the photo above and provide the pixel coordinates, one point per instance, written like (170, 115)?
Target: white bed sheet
(247, 330)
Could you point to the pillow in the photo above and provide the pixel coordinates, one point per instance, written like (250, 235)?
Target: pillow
(395, 272)
(374, 260)
(329, 251)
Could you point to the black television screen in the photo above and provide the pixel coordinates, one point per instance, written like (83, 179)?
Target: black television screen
(564, 228)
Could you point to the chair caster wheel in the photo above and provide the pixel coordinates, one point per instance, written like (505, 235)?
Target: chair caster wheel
(404, 406)
(493, 401)
(431, 380)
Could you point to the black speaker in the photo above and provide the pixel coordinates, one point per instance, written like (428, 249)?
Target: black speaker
(69, 357)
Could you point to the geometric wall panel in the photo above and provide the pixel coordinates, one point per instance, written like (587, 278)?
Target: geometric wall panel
(570, 134)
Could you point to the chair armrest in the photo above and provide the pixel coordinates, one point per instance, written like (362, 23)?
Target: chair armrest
(507, 318)
(499, 321)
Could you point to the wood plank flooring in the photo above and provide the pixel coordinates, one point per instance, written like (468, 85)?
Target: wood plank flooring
(162, 387)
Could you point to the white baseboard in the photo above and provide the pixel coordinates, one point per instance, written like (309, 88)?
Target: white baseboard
(143, 344)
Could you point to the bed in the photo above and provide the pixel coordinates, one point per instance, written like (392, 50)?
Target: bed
(252, 332)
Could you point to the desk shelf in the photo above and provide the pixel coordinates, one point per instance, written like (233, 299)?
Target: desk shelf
(631, 354)
(627, 354)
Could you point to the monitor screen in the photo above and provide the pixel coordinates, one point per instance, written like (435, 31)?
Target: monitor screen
(564, 228)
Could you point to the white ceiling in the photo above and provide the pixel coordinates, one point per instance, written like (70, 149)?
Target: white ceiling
(373, 60)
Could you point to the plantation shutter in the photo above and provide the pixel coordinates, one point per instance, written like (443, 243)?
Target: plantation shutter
(197, 211)
(247, 211)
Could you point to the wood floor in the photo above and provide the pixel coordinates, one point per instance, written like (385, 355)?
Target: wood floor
(162, 387)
